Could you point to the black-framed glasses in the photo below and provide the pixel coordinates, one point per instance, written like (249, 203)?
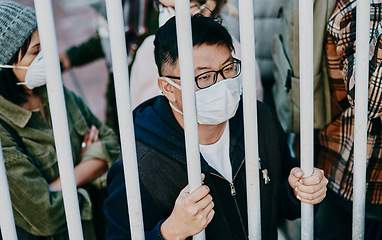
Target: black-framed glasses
(207, 79)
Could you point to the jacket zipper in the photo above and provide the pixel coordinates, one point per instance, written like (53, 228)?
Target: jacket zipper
(233, 194)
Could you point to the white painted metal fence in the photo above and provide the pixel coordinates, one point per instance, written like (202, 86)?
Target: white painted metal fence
(118, 46)
(247, 36)
(121, 80)
(360, 119)
(306, 106)
(186, 65)
(57, 107)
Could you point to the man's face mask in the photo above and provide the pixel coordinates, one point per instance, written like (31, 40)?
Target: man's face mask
(217, 103)
(36, 75)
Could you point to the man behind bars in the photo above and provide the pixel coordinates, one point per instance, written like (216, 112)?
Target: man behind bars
(170, 211)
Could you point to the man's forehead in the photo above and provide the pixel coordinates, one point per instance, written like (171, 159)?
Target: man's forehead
(211, 54)
(205, 57)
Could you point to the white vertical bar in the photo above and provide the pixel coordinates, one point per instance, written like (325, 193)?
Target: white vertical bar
(186, 65)
(7, 221)
(360, 118)
(59, 118)
(306, 106)
(247, 36)
(125, 118)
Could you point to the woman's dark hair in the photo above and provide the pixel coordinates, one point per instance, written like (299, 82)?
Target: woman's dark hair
(205, 30)
(8, 87)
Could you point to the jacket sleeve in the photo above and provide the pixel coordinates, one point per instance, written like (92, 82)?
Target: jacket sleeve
(108, 147)
(116, 209)
(289, 206)
(36, 209)
(86, 52)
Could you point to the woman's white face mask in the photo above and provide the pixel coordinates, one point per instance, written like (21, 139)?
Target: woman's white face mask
(215, 104)
(36, 75)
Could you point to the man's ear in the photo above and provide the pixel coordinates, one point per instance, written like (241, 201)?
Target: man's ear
(167, 89)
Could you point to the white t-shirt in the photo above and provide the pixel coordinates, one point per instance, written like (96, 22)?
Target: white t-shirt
(217, 155)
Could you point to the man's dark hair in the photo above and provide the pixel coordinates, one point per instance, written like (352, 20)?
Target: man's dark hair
(204, 31)
(8, 80)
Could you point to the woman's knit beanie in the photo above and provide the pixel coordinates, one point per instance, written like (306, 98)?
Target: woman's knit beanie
(17, 23)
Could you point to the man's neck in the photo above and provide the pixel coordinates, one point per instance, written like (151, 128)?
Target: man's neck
(208, 134)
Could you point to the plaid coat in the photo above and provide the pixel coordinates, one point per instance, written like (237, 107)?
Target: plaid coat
(337, 139)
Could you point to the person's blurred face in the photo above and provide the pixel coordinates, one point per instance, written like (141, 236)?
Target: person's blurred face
(168, 3)
(195, 7)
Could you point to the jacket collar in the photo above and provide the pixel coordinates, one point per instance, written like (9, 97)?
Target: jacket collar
(14, 113)
(156, 126)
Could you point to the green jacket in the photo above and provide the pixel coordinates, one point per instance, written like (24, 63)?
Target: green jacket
(36, 209)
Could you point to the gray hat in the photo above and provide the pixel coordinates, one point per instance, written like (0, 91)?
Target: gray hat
(17, 23)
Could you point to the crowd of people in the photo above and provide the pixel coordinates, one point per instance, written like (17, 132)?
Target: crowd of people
(170, 210)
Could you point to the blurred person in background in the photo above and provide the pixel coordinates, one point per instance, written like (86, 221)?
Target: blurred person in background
(140, 19)
(144, 73)
(336, 155)
(267, 24)
(27, 138)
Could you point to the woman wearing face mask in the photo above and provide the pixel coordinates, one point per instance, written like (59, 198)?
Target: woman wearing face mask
(144, 73)
(27, 137)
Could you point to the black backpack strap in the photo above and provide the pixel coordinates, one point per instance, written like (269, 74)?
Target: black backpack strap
(18, 140)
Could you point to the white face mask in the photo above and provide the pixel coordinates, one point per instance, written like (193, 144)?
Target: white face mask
(216, 104)
(165, 14)
(35, 76)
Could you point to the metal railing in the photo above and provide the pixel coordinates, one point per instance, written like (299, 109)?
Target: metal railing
(118, 47)
(57, 106)
(306, 106)
(360, 118)
(125, 118)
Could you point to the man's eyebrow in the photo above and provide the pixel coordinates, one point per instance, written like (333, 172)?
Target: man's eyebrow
(230, 58)
(201, 68)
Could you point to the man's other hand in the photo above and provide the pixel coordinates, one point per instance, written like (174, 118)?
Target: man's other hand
(310, 190)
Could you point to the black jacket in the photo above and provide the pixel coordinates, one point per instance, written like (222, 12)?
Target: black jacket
(163, 174)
